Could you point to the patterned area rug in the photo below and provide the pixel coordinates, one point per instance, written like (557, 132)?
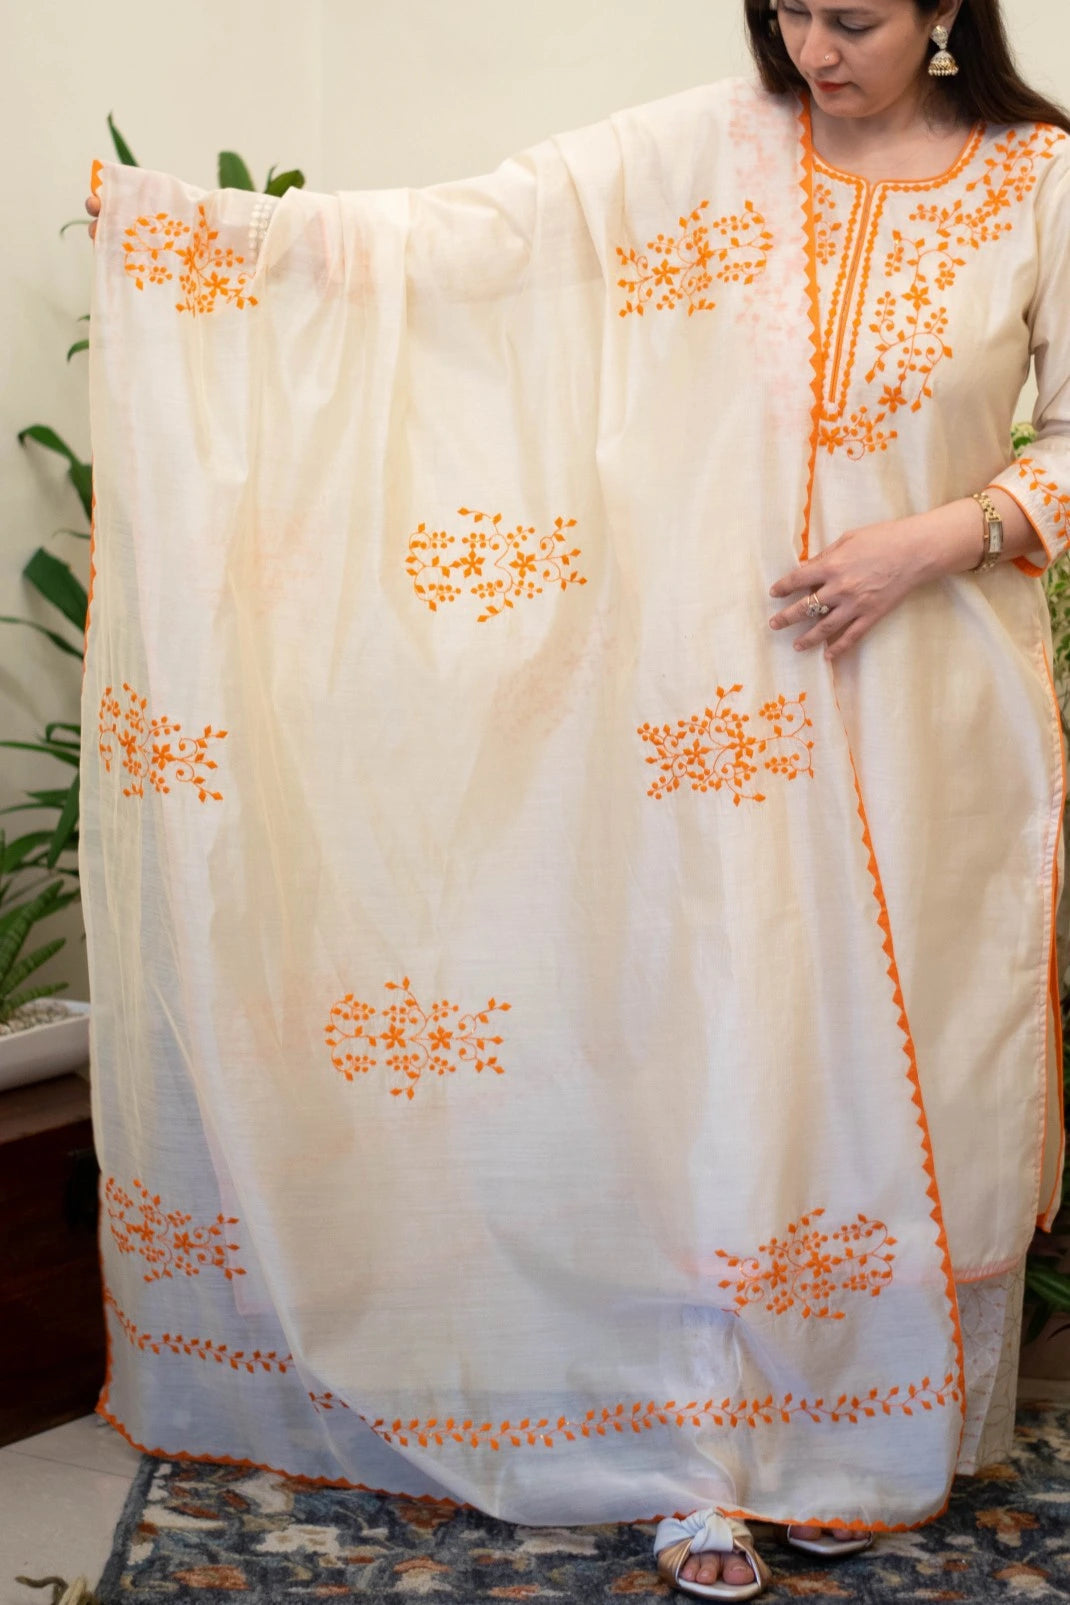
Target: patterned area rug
(207, 1533)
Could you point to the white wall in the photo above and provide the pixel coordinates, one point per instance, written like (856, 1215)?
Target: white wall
(358, 94)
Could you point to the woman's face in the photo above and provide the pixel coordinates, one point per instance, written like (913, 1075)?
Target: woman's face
(859, 57)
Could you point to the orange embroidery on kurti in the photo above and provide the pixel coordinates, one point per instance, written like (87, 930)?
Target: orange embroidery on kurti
(733, 250)
(909, 324)
(809, 1267)
(499, 566)
(1053, 497)
(715, 748)
(435, 1041)
(154, 244)
(165, 1240)
(146, 749)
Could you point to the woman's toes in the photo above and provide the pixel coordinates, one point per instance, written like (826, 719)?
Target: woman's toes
(737, 1570)
(701, 1568)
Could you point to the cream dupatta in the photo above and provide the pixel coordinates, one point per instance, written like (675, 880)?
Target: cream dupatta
(502, 1079)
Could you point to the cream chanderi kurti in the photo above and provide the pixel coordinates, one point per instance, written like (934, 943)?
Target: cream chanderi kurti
(556, 1047)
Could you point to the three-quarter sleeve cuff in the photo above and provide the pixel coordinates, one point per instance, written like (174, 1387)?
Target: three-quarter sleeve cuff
(1036, 490)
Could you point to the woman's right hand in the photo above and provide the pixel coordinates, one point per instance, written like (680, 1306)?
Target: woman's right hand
(92, 206)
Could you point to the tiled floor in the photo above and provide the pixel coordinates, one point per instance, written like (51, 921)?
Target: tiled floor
(62, 1492)
(61, 1495)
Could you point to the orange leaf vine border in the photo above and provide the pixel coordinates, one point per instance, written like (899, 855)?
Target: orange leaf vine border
(146, 748)
(850, 1408)
(715, 749)
(498, 566)
(417, 1041)
(1053, 497)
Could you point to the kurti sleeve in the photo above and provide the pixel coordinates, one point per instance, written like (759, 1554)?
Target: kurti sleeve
(1040, 480)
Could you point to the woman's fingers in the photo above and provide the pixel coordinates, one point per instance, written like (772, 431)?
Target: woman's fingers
(853, 633)
(92, 206)
(796, 612)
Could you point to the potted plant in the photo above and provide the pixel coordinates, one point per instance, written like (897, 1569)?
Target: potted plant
(41, 1035)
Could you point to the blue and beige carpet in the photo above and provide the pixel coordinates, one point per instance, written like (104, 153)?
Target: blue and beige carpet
(208, 1533)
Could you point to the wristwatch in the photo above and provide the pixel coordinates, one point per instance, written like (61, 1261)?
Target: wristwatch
(993, 533)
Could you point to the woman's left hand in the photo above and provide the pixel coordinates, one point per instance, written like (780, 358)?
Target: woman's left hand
(860, 578)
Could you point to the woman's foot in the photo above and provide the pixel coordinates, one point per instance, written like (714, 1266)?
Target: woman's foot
(844, 1535)
(828, 1541)
(734, 1569)
(709, 1555)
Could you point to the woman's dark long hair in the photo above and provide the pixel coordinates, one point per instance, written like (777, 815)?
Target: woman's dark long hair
(988, 88)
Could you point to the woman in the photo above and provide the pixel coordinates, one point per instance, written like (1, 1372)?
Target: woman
(882, 353)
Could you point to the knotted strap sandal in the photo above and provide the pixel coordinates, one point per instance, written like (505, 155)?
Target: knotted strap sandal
(701, 1533)
(827, 1545)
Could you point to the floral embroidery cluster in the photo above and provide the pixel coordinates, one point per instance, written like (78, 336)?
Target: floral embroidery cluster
(146, 747)
(500, 566)
(909, 322)
(809, 1267)
(716, 748)
(682, 267)
(165, 1239)
(207, 273)
(417, 1041)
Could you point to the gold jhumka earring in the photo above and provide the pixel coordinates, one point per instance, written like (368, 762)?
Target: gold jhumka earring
(943, 64)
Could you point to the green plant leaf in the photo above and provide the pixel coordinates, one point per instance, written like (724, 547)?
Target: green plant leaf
(1038, 1321)
(82, 534)
(14, 853)
(33, 961)
(81, 477)
(45, 436)
(41, 799)
(84, 318)
(79, 345)
(79, 473)
(8, 1007)
(17, 924)
(233, 173)
(122, 149)
(63, 724)
(294, 179)
(55, 581)
(65, 826)
(75, 651)
(64, 754)
(75, 222)
(1051, 1286)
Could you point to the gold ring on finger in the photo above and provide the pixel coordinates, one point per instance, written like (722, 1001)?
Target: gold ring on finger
(815, 608)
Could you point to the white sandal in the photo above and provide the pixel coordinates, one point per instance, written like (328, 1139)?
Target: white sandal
(701, 1533)
(827, 1545)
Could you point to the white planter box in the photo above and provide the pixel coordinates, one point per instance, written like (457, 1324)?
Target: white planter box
(43, 1051)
